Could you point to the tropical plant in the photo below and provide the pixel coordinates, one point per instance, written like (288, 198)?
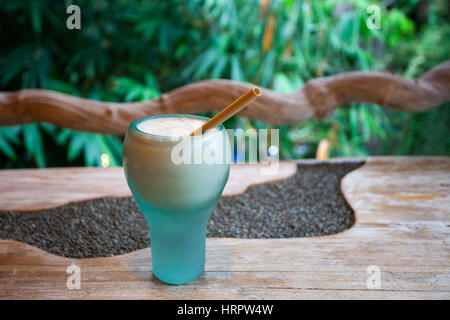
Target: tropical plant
(134, 50)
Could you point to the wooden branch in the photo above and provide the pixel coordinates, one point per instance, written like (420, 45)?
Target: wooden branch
(317, 99)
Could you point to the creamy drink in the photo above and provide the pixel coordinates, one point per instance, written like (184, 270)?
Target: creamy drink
(170, 126)
(176, 199)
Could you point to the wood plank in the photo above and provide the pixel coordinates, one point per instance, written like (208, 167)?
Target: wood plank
(400, 189)
(29, 189)
(130, 276)
(406, 236)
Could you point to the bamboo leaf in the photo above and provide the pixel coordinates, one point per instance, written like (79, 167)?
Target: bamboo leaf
(33, 143)
(236, 70)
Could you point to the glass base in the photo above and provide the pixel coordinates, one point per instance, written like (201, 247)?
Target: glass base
(176, 279)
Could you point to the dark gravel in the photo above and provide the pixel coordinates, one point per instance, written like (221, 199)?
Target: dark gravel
(307, 204)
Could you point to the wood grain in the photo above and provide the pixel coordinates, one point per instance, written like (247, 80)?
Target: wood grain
(38, 189)
(317, 99)
(407, 237)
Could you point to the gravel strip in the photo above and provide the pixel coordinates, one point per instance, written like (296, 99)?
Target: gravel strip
(307, 204)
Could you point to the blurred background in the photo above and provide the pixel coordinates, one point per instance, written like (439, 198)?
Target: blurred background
(132, 50)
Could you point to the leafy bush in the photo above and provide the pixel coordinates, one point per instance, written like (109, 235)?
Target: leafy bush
(134, 50)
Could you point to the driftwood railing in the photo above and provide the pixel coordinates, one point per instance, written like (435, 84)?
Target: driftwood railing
(317, 99)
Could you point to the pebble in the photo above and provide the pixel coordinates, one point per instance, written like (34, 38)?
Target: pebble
(308, 204)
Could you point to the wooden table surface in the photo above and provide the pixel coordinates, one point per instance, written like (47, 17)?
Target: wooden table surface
(402, 209)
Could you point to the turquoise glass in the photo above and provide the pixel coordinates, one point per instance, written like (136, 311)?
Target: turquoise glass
(176, 199)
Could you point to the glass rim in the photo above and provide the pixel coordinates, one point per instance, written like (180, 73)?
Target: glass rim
(133, 125)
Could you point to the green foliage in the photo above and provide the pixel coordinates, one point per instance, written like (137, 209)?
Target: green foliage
(134, 50)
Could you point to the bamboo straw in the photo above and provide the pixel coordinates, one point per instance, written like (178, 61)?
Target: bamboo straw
(236, 106)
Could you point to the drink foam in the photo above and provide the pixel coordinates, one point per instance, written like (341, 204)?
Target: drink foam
(170, 126)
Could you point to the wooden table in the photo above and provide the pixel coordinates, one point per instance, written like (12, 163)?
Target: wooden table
(402, 208)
